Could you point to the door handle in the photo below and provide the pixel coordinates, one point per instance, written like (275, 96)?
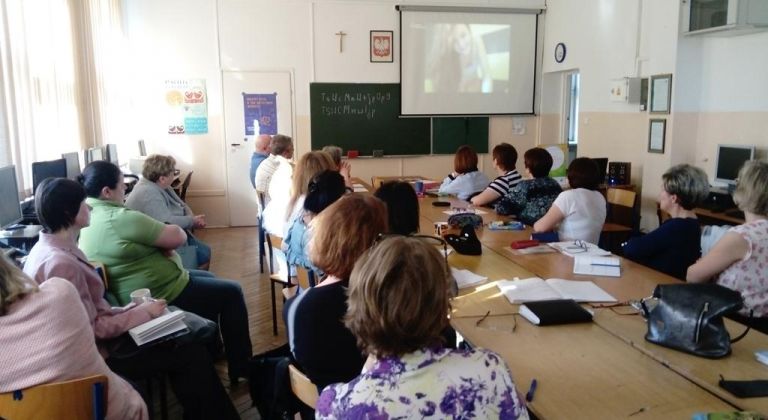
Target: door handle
(234, 144)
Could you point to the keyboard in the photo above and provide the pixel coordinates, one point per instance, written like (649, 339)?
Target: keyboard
(736, 214)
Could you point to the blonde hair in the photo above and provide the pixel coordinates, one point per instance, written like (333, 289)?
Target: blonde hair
(398, 297)
(335, 152)
(752, 189)
(156, 166)
(309, 166)
(344, 230)
(14, 284)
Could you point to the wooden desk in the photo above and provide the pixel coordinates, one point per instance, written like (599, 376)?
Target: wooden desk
(708, 217)
(606, 352)
(359, 181)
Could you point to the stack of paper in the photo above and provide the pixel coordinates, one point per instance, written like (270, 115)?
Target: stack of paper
(158, 327)
(466, 278)
(597, 266)
(453, 211)
(359, 188)
(573, 248)
(535, 289)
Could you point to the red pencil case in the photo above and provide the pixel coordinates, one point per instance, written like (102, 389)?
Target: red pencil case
(527, 243)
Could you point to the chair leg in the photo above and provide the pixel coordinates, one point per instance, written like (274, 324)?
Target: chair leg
(274, 309)
(262, 251)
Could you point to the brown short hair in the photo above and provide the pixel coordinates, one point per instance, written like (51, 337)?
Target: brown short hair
(156, 166)
(752, 188)
(344, 230)
(538, 161)
(505, 156)
(688, 183)
(398, 297)
(310, 164)
(279, 144)
(465, 160)
(583, 173)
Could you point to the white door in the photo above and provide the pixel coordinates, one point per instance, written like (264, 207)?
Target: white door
(240, 193)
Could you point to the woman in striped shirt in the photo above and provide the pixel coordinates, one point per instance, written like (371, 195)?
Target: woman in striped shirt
(504, 160)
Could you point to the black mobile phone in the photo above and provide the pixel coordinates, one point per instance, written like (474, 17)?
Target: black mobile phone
(441, 203)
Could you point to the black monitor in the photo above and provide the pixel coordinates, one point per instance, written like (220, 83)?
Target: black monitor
(48, 169)
(10, 209)
(112, 154)
(73, 164)
(602, 168)
(94, 154)
(730, 159)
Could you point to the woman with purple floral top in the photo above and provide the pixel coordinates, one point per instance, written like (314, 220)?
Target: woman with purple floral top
(398, 305)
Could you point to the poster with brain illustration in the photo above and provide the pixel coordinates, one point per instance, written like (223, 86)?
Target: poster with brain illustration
(187, 106)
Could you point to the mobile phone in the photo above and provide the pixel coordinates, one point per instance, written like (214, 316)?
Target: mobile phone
(441, 203)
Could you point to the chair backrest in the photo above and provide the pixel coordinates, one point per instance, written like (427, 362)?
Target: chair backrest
(306, 278)
(185, 185)
(621, 197)
(101, 269)
(84, 398)
(302, 387)
(622, 207)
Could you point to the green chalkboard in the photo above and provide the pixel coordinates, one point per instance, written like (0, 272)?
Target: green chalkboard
(450, 133)
(364, 117)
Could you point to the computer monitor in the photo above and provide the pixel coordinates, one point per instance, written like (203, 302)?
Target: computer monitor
(10, 209)
(730, 158)
(73, 164)
(142, 148)
(94, 154)
(112, 153)
(48, 169)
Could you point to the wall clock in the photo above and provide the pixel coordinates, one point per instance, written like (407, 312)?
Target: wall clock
(560, 52)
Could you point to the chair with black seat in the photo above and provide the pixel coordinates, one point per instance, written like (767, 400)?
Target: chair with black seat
(185, 186)
(275, 277)
(84, 398)
(621, 219)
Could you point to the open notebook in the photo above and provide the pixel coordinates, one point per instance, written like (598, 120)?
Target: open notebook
(535, 289)
(164, 325)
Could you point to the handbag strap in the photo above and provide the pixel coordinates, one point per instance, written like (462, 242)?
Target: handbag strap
(742, 335)
(699, 320)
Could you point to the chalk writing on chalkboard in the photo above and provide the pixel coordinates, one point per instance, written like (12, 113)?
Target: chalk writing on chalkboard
(362, 104)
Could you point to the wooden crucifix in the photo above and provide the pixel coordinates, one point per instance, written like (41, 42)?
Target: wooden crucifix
(341, 34)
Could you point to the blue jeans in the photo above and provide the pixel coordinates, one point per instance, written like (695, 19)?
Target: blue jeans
(222, 302)
(203, 250)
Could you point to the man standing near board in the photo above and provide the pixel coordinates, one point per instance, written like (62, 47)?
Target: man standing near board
(261, 152)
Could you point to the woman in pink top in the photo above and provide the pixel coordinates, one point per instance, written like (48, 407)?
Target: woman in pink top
(61, 208)
(45, 337)
(739, 260)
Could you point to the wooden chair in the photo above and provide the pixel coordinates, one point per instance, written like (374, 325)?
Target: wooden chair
(185, 186)
(305, 278)
(274, 277)
(621, 218)
(302, 387)
(84, 398)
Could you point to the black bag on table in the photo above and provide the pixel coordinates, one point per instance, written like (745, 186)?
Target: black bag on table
(466, 242)
(689, 318)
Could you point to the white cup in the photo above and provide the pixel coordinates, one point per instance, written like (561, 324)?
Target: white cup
(440, 227)
(140, 296)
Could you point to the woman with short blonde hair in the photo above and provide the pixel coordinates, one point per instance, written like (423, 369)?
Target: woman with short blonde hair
(156, 166)
(398, 306)
(324, 348)
(738, 259)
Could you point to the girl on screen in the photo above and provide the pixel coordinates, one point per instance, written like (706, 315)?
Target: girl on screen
(458, 61)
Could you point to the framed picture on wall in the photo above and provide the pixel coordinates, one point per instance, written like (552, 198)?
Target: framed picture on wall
(656, 134)
(382, 47)
(661, 94)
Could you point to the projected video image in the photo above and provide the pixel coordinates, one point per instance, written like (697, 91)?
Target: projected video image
(467, 58)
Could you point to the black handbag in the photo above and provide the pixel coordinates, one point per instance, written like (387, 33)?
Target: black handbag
(689, 318)
(465, 242)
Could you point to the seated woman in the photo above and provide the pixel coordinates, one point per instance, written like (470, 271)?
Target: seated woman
(321, 345)
(323, 190)
(154, 197)
(45, 337)
(61, 208)
(739, 259)
(138, 252)
(676, 244)
(465, 180)
(578, 213)
(309, 166)
(504, 160)
(531, 198)
(398, 306)
(402, 206)
(343, 166)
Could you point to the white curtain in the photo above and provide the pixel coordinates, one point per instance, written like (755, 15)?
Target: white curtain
(58, 61)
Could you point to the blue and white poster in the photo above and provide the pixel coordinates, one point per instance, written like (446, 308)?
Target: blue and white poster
(260, 110)
(187, 101)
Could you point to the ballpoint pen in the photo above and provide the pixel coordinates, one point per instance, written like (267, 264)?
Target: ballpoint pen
(531, 391)
(483, 318)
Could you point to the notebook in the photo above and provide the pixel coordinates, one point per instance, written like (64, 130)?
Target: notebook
(554, 312)
(536, 289)
(597, 266)
(466, 278)
(159, 327)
